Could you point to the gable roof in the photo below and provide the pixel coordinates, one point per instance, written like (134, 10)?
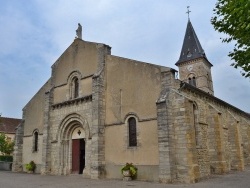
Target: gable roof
(8, 125)
(191, 48)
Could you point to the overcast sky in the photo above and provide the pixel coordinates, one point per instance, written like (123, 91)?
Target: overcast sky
(34, 33)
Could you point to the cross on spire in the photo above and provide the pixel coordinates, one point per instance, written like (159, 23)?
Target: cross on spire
(188, 11)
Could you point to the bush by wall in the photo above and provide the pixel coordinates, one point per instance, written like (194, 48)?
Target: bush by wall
(6, 158)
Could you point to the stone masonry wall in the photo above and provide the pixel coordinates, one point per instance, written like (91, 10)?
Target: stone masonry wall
(63, 119)
(199, 134)
(220, 135)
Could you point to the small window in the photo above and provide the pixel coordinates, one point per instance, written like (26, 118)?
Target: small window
(132, 132)
(189, 54)
(35, 141)
(76, 87)
(195, 124)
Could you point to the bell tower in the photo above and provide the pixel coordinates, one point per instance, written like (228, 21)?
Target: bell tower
(194, 67)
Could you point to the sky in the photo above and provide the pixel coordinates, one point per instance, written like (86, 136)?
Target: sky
(34, 33)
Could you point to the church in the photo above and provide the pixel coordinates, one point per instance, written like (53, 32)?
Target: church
(99, 111)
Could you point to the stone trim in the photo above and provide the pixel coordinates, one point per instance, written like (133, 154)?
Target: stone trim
(139, 120)
(147, 119)
(75, 73)
(114, 124)
(183, 63)
(66, 121)
(82, 78)
(30, 135)
(72, 101)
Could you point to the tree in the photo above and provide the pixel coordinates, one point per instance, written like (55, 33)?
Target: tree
(6, 145)
(232, 17)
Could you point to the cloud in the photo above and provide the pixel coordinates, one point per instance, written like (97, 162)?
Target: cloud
(35, 33)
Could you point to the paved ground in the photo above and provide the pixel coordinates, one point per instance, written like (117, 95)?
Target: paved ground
(23, 180)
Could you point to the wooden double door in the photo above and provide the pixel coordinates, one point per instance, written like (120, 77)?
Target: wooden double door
(78, 156)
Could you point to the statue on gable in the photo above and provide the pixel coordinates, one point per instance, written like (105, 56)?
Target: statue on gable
(79, 31)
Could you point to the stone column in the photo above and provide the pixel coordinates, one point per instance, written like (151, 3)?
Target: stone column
(246, 147)
(17, 165)
(166, 129)
(98, 116)
(218, 163)
(188, 168)
(236, 152)
(46, 150)
(165, 145)
(239, 146)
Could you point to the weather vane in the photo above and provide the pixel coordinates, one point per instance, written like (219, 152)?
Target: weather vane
(188, 11)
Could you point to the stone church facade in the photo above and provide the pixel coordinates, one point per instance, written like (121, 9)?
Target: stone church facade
(98, 111)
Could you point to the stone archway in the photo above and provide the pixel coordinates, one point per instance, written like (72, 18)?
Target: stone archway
(78, 150)
(66, 134)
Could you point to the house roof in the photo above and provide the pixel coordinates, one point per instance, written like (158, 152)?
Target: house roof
(191, 48)
(8, 125)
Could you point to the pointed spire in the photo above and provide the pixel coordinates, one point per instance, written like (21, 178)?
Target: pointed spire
(191, 48)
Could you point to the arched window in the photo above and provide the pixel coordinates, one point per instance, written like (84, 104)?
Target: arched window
(76, 87)
(35, 141)
(189, 54)
(132, 132)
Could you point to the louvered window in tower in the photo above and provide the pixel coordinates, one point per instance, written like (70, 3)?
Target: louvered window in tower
(192, 81)
(132, 132)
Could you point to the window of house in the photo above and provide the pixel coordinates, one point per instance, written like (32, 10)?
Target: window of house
(35, 141)
(132, 132)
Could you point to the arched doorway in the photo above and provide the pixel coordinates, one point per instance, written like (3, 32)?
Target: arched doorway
(78, 151)
(74, 146)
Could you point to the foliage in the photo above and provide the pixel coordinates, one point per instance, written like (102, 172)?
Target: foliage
(6, 145)
(6, 158)
(232, 18)
(131, 168)
(31, 166)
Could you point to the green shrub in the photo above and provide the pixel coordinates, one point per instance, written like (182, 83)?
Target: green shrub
(131, 168)
(6, 158)
(31, 166)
